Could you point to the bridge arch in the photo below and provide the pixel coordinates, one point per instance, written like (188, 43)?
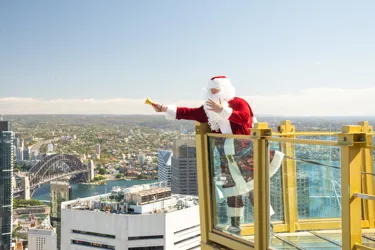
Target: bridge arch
(55, 166)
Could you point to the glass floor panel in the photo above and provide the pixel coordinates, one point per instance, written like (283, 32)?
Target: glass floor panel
(369, 238)
(309, 241)
(275, 243)
(305, 240)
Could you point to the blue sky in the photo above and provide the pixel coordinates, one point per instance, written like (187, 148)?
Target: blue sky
(169, 49)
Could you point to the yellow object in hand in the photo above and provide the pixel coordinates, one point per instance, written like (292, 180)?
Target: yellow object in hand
(149, 102)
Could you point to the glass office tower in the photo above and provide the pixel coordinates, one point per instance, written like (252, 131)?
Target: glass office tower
(6, 190)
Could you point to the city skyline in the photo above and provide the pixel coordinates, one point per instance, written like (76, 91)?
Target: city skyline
(290, 58)
(310, 102)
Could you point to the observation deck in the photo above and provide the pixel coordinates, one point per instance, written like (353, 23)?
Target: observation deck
(320, 196)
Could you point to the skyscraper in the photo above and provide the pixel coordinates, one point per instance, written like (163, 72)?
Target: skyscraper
(184, 167)
(164, 166)
(6, 190)
(97, 149)
(60, 192)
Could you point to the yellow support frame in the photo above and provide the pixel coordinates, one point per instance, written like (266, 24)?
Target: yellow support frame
(352, 140)
(368, 180)
(289, 181)
(210, 238)
(356, 156)
(202, 176)
(261, 185)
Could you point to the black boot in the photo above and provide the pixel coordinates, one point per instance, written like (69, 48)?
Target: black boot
(235, 225)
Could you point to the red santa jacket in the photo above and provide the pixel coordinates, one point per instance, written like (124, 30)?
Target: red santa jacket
(241, 118)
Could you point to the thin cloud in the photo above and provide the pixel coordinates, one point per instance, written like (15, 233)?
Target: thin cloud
(308, 102)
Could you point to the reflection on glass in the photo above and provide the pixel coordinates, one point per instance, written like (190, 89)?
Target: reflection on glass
(318, 179)
(232, 169)
(276, 190)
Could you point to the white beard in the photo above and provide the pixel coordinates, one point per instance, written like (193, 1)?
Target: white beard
(213, 117)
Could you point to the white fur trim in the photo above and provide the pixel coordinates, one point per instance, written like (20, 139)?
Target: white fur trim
(225, 127)
(233, 167)
(276, 162)
(171, 112)
(235, 211)
(219, 194)
(255, 120)
(272, 212)
(238, 189)
(226, 112)
(245, 187)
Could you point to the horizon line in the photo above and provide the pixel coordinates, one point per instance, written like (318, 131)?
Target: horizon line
(108, 114)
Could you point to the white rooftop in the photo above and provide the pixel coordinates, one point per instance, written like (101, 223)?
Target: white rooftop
(138, 199)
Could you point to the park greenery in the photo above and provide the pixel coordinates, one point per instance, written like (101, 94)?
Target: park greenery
(99, 178)
(17, 203)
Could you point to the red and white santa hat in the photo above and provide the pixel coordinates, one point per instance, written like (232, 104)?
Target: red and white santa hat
(223, 83)
(217, 82)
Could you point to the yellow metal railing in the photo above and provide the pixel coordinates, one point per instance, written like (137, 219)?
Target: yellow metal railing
(354, 144)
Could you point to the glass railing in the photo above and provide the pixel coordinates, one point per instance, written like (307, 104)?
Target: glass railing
(368, 235)
(318, 181)
(231, 163)
(232, 174)
(307, 190)
(276, 190)
(305, 200)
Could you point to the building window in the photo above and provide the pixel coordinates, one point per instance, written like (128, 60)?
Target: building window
(94, 234)
(146, 248)
(192, 248)
(92, 244)
(146, 237)
(192, 237)
(185, 229)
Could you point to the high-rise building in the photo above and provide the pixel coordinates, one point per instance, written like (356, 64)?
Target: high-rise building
(97, 149)
(19, 155)
(303, 197)
(50, 147)
(6, 190)
(140, 217)
(17, 142)
(43, 237)
(26, 154)
(60, 192)
(164, 166)
(184, 167)
(141, 159)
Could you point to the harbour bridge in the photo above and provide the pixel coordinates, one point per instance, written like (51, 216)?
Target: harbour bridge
(50, 168)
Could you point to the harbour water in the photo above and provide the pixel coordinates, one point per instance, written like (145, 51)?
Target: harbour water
(84, 190)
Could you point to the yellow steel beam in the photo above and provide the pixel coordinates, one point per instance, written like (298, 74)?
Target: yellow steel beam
(202, 176)
(303, 225)
(352, 142)
(289, 176)
(289, 138)
(368, 180)
(301, 133)
(261, 187)
(360, 247)
(231, 242)
(307, 133)
(212, 246)
(228, 136)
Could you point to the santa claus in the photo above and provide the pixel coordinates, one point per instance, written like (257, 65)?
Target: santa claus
(227, 114)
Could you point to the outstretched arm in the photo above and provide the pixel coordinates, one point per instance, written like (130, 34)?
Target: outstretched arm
(182, 113)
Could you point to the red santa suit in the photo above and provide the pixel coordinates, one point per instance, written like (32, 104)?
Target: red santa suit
(236, 118)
